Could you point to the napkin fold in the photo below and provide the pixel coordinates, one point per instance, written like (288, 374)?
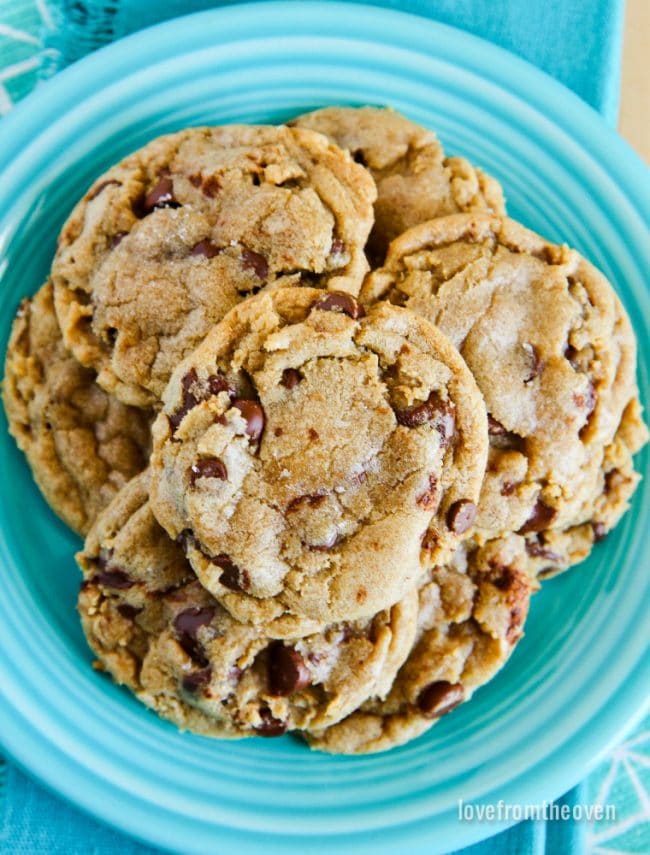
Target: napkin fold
(576, 41)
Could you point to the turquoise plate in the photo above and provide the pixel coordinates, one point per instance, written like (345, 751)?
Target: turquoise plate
(577, 680)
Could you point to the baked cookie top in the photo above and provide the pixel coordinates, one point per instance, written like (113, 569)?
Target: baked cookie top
(550, 346)
(314, 458)
(158, 631)
(415, 181)
(82, 444)
(168, 240)
(471, 615)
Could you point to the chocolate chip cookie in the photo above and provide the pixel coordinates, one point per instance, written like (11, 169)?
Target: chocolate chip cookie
(170, 239)
(156, 630)
(471, 615)
(314, 459)
(415, 181)
(551, 348)
(82, 444)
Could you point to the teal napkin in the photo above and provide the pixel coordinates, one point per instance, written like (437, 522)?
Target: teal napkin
(576, 41)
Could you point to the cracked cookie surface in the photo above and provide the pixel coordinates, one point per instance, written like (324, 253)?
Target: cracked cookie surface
(171, 238)
(471, 615)
(156, 630)
(415, 180)
(314, 459)
(553, 353)
(82, 444)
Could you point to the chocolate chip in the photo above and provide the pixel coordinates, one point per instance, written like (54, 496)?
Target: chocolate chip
(340, 301)
(253, 415)
(233, 577)
(270, 726)
(101, 186)
(117, 239)
(255, 262)
(188, 382)
(114, 578)
(461, 516)
(541, 517)
(291, 378)
(495, 428)
(160, 196)
(337, 247)
(539, 550)
(435, 411)
(311, 499)
(536, 364)
(437, 699)
(600, 531)
(507, 488)
(313, 434)
(430, 499)
(287, 671)
(187, 624)
(218, 383)
(129, 612)
(208, 467)
(206, 248)
(197, 680)
(195, 391)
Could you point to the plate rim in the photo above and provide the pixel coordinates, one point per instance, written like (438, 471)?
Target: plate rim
(24, 119)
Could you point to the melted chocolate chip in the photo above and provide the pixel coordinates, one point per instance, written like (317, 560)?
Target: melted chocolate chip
(311, 499)
(340, 301)
(114, 577)
(536, 549)
(189, 399)
(437, 699)
(337, 247)
(461, 516)
(197, 680)
(291, 378)
(195, 391)
(255, 262)
(208, 467)
(206, 248)
(600, 531)
(129, 612)
(102, 186)
(430, 499)
(187, 624)
(287, 672)
(435, 411)
(233, 577)
(253, 415)
(160, 196)
(270, 726)
(541, 517)
(536, 363)
(495, 428)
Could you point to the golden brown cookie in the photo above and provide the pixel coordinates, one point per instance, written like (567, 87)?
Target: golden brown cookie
(159, 632)
(470, 618)
(170, 239)
(315, 459)
(415, 181)
(82, 444)
(552, 350)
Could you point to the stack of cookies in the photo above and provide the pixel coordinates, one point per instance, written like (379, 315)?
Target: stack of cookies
(325, 417)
